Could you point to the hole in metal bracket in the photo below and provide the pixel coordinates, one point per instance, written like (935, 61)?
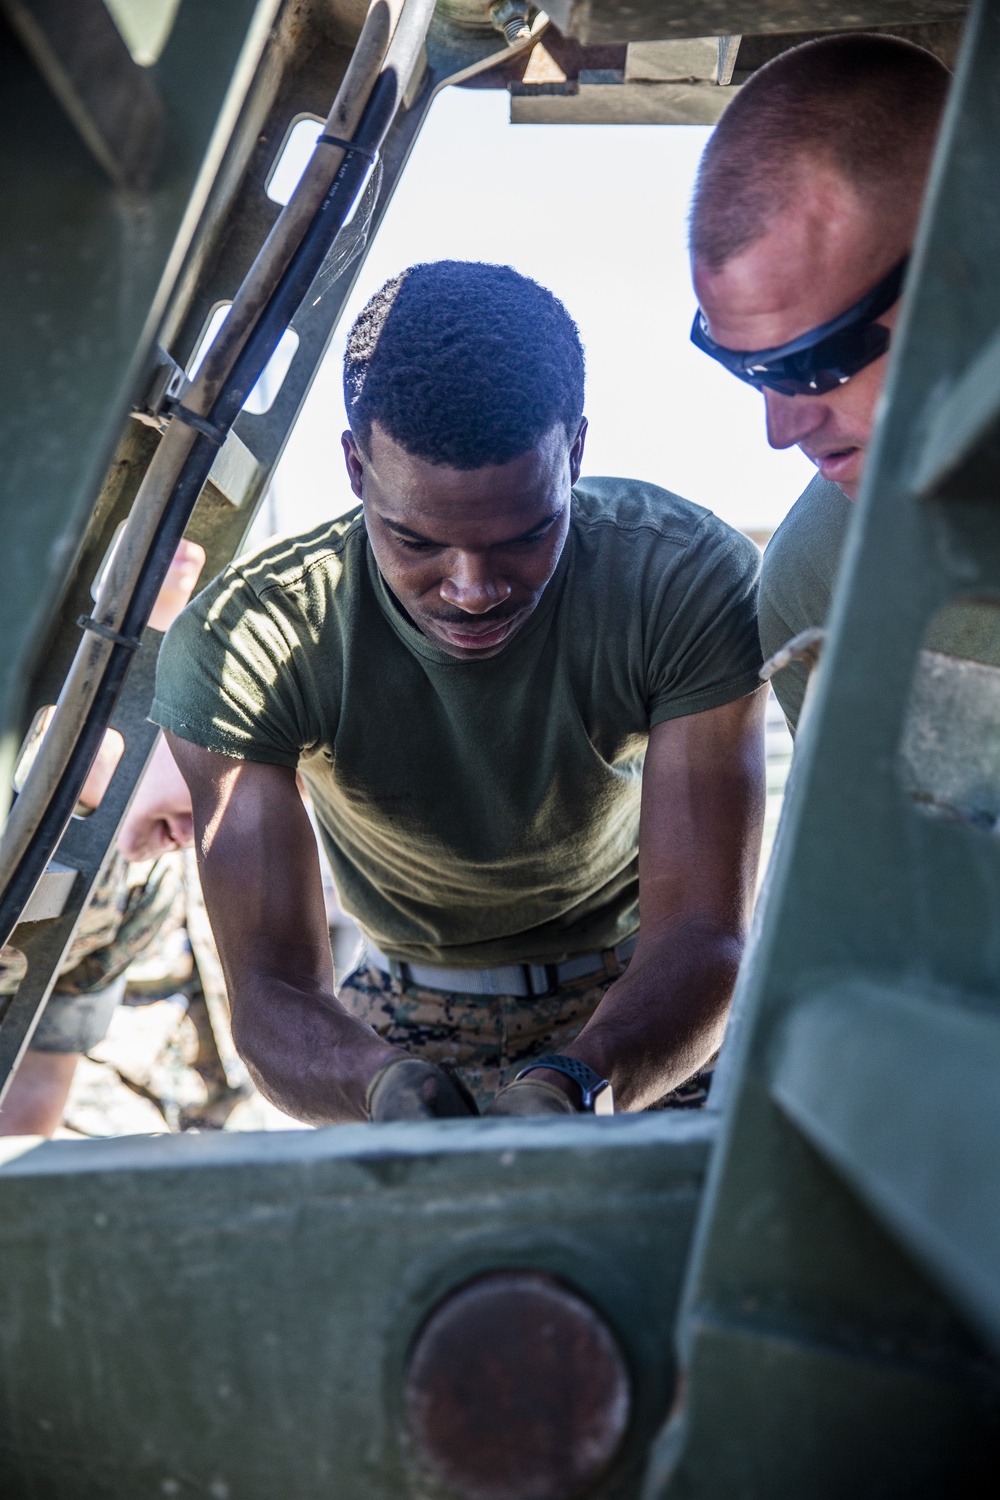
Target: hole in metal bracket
(293, 158)
(100, 774)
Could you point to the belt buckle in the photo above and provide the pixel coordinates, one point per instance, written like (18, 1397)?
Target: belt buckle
(613, 965)
(537, 974)
(399, 972)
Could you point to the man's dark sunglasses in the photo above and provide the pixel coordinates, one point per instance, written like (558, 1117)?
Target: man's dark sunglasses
(821, 359)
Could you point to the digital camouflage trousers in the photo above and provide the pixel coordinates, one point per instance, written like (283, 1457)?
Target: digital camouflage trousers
(486, 1039)
(120, 922)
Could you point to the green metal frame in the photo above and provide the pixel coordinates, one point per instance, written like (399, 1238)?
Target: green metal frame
(231, 1315)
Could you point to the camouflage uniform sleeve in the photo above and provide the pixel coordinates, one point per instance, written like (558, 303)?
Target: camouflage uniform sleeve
(139, 913)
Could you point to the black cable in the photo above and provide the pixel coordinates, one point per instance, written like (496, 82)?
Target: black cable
(281, 307)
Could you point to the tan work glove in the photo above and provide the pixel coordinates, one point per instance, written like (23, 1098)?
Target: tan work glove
(530, 1096)
(410, 1089)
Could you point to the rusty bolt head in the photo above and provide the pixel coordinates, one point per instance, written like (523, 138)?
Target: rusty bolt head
(516, 1390)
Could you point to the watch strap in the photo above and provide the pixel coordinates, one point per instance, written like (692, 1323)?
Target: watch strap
(590, 1083)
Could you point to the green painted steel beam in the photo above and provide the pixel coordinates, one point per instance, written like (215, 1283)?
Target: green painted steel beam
(847, 1076)
(231, 1316)
(782, 1414)
(112, 101)
(962, 448)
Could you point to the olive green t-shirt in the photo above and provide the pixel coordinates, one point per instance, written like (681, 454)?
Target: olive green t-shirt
(797, 580)
(475, 812)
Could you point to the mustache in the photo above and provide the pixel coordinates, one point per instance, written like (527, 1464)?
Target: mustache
(497, 616)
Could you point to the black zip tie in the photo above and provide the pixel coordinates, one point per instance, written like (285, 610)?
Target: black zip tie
(348, 146)
(130, 642)
(216, 435)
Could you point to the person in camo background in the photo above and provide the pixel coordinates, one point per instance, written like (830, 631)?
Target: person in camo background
(122, 917)
(518, 700)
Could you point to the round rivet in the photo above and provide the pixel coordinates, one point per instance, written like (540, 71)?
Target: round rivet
(516, 1389)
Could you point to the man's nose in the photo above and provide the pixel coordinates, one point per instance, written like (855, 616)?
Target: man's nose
(791, 419)
(472, 585)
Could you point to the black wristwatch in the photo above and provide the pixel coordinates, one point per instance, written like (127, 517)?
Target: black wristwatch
(595, 1092)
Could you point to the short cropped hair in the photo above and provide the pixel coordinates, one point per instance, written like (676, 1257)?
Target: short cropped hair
(464, 363)
(867, 105)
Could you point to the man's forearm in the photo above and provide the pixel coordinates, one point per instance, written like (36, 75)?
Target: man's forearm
(665, 1018)
(260, 873)
(305, 1053)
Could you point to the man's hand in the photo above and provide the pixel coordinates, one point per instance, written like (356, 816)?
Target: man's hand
(531, 1096)
(699, 846)
(260, 872)
(408, 1088)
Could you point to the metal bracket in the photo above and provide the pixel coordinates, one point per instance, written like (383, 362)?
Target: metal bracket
(167, 385)
(50, 895)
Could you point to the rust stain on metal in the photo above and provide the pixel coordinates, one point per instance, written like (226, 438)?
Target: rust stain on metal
(516, 1389)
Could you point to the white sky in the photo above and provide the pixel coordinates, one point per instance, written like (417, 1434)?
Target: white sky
(598, 214)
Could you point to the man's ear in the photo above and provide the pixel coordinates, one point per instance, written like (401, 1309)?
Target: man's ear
(576, 452)
(354, 460)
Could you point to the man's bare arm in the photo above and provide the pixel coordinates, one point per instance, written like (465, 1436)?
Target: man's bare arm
(699, 846)
(260, 872)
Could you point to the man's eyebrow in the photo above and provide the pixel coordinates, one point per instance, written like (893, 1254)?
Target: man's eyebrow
(416, 536)
(406, 531)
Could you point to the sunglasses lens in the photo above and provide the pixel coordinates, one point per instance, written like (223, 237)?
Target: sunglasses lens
(829, 363)
(812, 371)
(817, 384)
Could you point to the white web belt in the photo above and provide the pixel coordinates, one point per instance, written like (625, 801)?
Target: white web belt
(510, 979)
